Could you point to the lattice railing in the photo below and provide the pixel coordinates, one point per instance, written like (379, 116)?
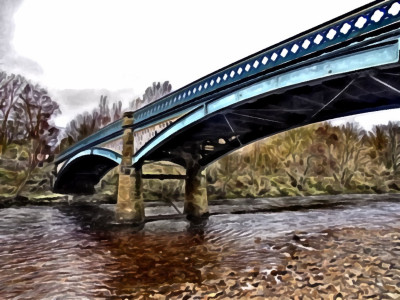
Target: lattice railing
(320, 38)
(342, 29)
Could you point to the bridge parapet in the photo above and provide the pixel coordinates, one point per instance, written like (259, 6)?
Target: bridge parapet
(340, 32)
(323, 37)
(115, 145)
(338, 63)
(141, 136)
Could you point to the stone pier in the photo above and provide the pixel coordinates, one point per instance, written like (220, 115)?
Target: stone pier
(130, 207)
(196, 202)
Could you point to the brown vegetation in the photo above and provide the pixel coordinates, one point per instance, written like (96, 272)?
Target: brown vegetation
(311, 160)
(315, 159)
(85, 124)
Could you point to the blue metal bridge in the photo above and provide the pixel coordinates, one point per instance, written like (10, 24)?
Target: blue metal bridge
(346, 66)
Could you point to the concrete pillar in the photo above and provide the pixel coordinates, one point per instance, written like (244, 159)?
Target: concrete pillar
(196, 203)
(130, 207)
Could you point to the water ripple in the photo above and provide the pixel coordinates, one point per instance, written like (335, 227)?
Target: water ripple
(46, 253)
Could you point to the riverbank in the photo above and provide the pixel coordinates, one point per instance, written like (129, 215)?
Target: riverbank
(104, 204)
(50, 199)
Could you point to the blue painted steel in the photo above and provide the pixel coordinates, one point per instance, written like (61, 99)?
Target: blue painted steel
(107, 153)
(323, 37)
(104, 134)
(369, 58)
(180, 124)
(166, 118)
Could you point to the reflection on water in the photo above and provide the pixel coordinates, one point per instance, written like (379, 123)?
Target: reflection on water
(50, 252)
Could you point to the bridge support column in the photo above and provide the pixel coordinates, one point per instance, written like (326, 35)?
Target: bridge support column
(130, 207)
(196, 203)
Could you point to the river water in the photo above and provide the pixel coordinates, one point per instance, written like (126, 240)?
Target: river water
(56, 253)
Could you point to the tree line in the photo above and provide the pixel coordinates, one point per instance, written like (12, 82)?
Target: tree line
(315, 159)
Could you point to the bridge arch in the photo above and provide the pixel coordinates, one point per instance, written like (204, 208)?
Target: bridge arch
(353, 82)
(84, 170)
(344, 67)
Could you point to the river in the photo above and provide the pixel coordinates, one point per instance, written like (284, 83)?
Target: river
(55, 252)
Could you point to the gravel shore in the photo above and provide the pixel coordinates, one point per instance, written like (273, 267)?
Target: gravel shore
(346, 263)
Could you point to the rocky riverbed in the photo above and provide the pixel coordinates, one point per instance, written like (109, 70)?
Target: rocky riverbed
(346, 263)
(339, 250)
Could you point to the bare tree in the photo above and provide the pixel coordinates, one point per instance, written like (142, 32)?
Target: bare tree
(116, 111)
(152, 93)
(87, 123)
(38, 109)
(10, 89)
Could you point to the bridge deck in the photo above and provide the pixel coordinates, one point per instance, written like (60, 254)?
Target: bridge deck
(367, 22)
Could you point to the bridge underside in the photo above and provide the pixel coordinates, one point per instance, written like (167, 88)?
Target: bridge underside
(216, 135)
(82, 174)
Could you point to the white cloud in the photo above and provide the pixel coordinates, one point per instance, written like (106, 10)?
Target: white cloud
(124, 43)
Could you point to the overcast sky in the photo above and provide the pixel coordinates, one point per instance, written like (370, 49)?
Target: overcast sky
(80, 49)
